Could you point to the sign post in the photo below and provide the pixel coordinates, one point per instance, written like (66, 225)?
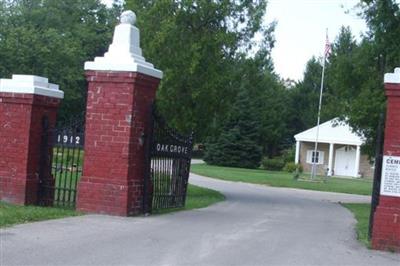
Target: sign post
(390, 184)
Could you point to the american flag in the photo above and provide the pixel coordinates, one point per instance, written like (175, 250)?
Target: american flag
(327, 47)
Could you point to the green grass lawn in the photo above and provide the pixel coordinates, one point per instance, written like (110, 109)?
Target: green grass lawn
(284, 179)
(361, 213)
(197, 197)
(12, 214)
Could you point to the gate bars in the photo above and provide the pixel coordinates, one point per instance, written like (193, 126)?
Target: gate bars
(168, 156)
(60, 172)
(377, 172)
(168, 159)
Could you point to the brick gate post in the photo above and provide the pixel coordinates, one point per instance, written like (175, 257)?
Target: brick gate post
(386, 229)
(122, 87)
(24, 102)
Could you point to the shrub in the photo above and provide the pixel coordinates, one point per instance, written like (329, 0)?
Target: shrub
(289, 154)
(198, 151)
(237, 143)
(274, 164)
(292, 167)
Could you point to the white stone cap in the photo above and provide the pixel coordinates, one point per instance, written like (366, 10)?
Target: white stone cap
(31, 85)
(124, 54)
(393, 77)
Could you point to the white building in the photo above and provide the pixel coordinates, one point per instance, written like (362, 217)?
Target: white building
(338, 152)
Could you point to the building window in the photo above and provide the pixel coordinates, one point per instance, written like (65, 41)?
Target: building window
(315, 157)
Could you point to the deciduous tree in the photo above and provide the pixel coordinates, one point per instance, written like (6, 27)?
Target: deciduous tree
(195, 43)
(53, 38)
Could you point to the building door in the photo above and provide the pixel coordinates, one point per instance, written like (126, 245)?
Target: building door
(345, 161)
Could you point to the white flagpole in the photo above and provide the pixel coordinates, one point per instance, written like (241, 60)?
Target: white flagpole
(314, 166)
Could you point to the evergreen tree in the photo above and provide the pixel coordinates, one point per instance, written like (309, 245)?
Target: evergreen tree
(237, 145)
(304, 98)
(268, 97)
(354, 86)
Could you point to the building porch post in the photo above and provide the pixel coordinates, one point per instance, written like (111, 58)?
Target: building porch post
(357, 168)
(330, 162)
(297, 158)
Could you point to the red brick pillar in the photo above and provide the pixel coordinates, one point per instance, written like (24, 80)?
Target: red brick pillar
(122, 87)
(24, 102)
(386, 229)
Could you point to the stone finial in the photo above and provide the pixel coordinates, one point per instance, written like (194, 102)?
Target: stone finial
(124, 53)
(128, 17)
(393, 77)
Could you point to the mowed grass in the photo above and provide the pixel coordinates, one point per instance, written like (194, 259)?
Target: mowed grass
(361, 213)
(66, 169)
(283, 179)
(197, 197)
(13, 214)
(68, 156)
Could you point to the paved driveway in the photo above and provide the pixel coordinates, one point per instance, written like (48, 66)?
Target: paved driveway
(256, 225)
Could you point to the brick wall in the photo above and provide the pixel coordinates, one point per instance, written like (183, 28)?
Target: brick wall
(386, 226)
(366, 168)
(20, 138)
(117, 116)
(386, 229)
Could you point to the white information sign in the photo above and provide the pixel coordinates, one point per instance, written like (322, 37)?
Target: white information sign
(390, 183)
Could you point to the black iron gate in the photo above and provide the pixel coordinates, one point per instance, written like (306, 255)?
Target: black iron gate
(377, 172)
(168, 158)
(61, 162)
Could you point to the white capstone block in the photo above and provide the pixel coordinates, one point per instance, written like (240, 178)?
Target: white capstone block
(31, 85)
(125, 54)
(393, 77)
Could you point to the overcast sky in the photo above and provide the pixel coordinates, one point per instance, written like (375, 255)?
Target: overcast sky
(300, 32)
(301, 28)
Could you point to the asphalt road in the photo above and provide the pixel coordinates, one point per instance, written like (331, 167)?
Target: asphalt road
(256, 225)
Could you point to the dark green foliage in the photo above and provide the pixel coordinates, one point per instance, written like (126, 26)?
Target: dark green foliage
(53, 38)
(196, 44)
(354, 73)
(289, 154)
(268, 97)
(354, 90)
(203, 52)
(304, 98)
(377, 53)
(203, 48)
(237, 144)
(273, 164)
(197, 154)
(284, 162)
(292, 167)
